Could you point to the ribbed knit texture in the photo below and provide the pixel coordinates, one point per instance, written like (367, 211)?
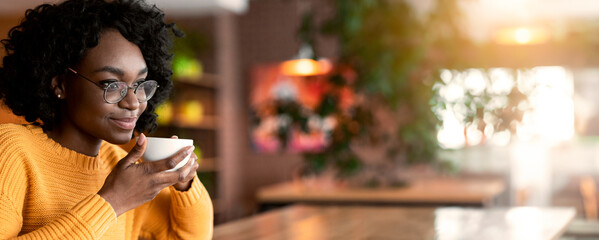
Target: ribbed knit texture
(49, 192)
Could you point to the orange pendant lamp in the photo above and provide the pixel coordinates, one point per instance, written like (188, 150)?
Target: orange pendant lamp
(303, 65)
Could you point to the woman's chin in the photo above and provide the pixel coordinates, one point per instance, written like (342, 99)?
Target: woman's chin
(120, 139)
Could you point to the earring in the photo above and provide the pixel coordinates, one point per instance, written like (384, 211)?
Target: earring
(59, 96)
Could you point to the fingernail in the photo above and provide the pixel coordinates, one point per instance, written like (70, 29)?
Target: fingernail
(141, 139)
(189, 151)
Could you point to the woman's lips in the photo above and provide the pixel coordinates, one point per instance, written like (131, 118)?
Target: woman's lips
(125, 123)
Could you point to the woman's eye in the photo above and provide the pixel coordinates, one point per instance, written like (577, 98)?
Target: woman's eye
(111, 86)
(105, 83)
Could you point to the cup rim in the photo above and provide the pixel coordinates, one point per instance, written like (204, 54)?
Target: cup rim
(166, 138)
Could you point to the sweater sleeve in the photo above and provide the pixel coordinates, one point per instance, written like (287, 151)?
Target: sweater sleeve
(180, 215)
(13, 187)
(89, 219)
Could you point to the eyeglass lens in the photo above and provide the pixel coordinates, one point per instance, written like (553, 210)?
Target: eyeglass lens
(116, 91)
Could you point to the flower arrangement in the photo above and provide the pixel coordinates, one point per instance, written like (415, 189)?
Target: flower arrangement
(313, 115)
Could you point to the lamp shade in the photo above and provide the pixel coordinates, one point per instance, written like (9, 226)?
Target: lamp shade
(301, 67)
(171, 7)
(200, 7)
(522, 35)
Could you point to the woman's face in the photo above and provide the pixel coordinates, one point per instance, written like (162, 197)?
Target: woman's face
(113, 59)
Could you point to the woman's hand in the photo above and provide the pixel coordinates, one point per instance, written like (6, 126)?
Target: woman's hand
(130, 185)
(189, 173)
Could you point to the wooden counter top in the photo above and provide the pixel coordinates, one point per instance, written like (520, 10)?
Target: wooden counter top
(300, 222)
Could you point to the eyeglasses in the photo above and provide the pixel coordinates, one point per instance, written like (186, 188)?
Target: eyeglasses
(114, 92)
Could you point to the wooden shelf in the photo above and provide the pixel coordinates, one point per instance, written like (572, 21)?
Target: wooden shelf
(207, 80)
(207, 123)
(208, 165)
(201, 90)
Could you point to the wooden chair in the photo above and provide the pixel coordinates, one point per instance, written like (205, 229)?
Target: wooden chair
(587, 228)
(588, 191)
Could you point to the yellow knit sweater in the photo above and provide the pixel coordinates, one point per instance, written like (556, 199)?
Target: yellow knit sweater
(49, 192)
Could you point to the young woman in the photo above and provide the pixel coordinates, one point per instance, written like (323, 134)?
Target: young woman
(86, 74)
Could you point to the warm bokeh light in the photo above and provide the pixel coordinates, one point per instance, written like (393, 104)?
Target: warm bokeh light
(551, 117)
(301, 67)
(548, 114)
(522, 35)
(451, 134)
(475, 82)
(502, 81)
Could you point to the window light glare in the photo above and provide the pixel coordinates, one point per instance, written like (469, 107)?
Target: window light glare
(522, 35)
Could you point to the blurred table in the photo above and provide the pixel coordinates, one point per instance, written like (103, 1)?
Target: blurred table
(387, 222)
(436, 191)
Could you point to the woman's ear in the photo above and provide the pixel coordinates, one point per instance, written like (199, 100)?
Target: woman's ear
(57, 85)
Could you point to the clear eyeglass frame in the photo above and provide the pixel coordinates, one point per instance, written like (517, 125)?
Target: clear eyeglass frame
(114, 92)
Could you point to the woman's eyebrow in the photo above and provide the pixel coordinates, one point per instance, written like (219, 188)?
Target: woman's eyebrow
(143, 71)
(118, 71)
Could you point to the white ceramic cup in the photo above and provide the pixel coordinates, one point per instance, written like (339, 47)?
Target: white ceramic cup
(161, 148)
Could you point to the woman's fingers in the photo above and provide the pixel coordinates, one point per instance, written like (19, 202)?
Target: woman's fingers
(136, 153)
(167, 163)
(166, 179)
(194, 164)
(189, 170)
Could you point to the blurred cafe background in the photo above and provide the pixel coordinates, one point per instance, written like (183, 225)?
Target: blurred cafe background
(407, 104)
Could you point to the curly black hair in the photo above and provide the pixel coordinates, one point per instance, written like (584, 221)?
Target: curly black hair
(53, 37)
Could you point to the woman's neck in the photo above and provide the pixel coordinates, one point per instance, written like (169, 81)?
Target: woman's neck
(73, 139)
